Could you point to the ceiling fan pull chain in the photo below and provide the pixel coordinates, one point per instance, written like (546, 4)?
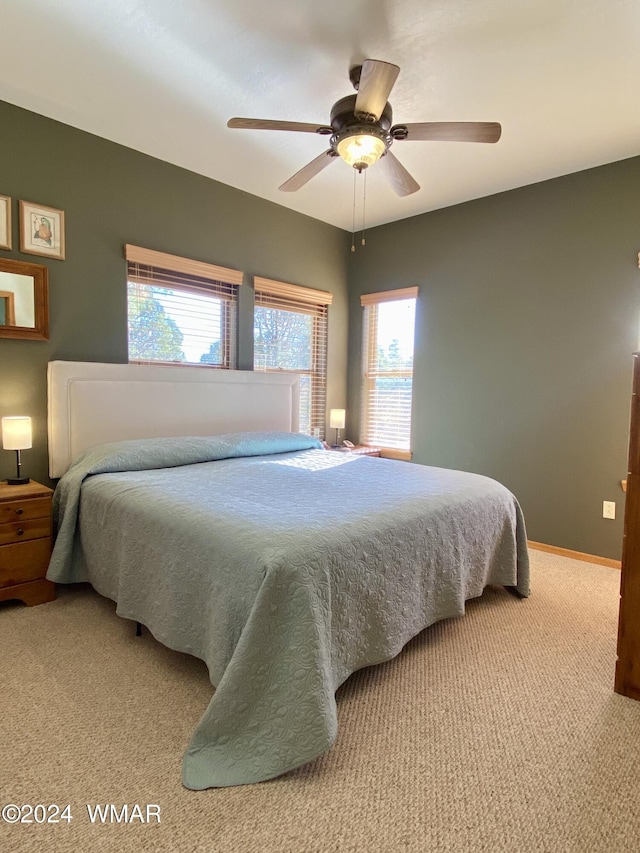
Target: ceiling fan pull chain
(353, 226)
(364, 206)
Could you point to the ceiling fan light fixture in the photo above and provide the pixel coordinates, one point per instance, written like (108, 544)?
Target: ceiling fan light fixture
(361, 149)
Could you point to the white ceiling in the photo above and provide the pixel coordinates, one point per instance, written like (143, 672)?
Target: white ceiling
(164, 76)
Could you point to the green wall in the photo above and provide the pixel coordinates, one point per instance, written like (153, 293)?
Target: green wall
(112, 195)
(527, 320)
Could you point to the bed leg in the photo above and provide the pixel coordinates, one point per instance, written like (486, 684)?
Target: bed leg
(138, 629)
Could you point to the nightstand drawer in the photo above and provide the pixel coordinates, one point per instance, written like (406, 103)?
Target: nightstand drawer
(19, 510)
(24, 562)
(22, 531)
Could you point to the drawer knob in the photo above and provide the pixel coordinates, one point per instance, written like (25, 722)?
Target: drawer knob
(19, 531)
(19, 511)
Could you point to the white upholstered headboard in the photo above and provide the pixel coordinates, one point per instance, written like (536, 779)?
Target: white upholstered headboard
(91, 404)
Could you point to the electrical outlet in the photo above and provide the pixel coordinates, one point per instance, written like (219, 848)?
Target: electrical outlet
(608, 509)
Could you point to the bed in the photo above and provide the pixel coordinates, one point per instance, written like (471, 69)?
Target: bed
(284, 566)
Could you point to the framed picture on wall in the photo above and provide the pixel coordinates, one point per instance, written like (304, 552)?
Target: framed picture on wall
(41, 230)
(5, 222)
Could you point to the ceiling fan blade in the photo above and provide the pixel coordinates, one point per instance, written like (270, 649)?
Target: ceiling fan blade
(267, 124)
(376, 82)
(397, 175)
(309, 171)
(448, 131)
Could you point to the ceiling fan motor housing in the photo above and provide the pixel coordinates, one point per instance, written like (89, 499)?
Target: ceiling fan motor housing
(343, 115)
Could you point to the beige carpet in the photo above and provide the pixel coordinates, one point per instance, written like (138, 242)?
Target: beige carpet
(496, 732)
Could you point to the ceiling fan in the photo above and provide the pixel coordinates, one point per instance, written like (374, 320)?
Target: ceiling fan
(362, 132)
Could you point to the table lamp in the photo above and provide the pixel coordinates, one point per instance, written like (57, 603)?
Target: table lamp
(16, 435)
(336, 421)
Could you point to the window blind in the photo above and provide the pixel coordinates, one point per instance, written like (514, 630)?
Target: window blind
(180, 311)
(387, 368)
(290, 334)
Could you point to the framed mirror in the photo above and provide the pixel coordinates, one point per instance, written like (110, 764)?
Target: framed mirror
(24, 300)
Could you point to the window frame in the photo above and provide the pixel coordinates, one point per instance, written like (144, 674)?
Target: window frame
(281, 296)
(159, 269)
(370, 371)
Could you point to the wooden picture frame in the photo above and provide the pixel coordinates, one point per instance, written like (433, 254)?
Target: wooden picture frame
(5, 222)
(41, 230)
(24, 289)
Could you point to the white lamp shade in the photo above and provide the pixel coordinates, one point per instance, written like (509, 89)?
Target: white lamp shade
(16, 433)
(336, 418)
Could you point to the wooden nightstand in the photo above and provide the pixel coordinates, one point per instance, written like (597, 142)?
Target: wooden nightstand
(25, 543)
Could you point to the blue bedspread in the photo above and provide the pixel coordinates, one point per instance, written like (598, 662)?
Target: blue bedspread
(284, 567)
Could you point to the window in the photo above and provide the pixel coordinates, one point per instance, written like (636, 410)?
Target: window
(387, 369)
(179, 310)
(290, 333)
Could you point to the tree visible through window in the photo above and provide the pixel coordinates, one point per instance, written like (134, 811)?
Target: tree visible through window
(282, 339)
(153, 334)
